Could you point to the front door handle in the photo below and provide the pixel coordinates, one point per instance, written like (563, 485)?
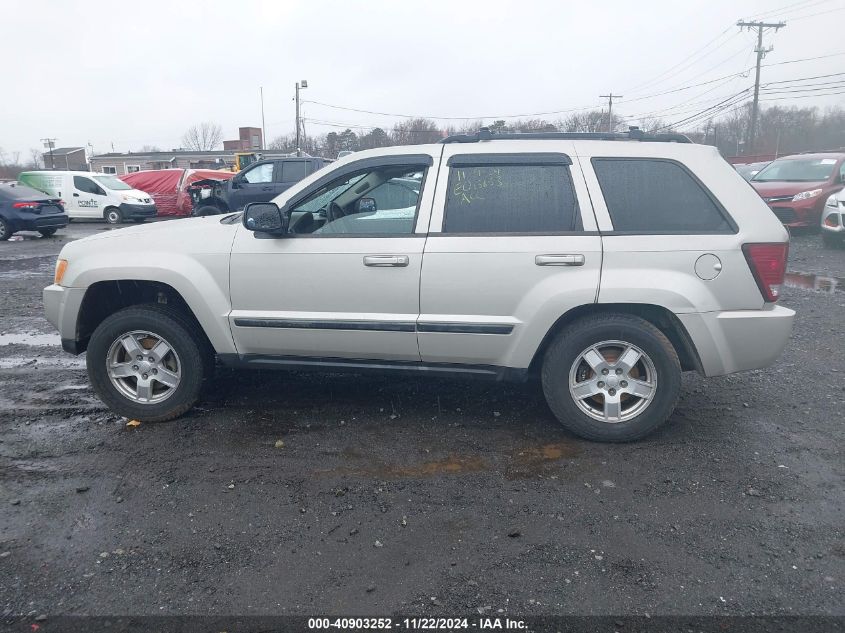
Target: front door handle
(76, 195)
(559, 260)
(386, 260)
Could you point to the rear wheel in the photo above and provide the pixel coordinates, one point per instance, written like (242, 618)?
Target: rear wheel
(5, 231)
(147, 363)
(113, 215)
(611, 378)
(47, 232)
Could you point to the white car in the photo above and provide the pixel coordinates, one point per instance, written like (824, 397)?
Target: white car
(94, 196)
(833, 220)
(604, 265)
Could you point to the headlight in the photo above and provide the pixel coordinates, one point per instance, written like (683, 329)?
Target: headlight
(832, 202)
(61, 268)
(134, 199)
(804, 195)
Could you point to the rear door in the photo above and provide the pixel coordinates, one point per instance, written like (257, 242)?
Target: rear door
(288, 173)
(512, 246)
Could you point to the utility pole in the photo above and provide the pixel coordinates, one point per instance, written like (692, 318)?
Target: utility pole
(609, 98)
(761, 53)
(50, 143)
(299, 86)
(263, 128)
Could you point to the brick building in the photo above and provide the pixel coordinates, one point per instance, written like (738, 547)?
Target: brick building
(249, 140)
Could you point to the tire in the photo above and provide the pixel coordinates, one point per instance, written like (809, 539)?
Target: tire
(613, 336)
(187, 359)
(112, 215)
(47, 232)
(832, 240)
(207, 209)
(5, 230)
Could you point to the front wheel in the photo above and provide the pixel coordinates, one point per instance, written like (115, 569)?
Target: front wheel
(832, 240)
(47, 232)
(207, 209)
(147, 363)
(611, 378)
(113, 215)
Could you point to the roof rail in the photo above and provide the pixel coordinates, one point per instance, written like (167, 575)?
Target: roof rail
(633, 134)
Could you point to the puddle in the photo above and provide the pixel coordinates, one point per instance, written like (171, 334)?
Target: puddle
(532, 462)
(451, 465)
(30, 338)
(821, 283)
(17, 362)
(536, 462)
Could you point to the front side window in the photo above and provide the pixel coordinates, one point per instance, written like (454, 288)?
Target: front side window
(87, 185)
(656, 196)
(260, 174)
(503, 198)
(377, 201)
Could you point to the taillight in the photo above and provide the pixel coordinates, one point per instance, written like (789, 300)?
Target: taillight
(768, 265)
(25, 205)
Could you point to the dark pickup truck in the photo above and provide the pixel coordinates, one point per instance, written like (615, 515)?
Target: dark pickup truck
(260, 182)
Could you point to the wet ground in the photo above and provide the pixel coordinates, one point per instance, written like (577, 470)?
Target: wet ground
(298, 493)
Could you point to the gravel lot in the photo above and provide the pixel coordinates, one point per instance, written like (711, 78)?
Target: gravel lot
(308, 494)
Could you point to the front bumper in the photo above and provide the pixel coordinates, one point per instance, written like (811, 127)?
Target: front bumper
(138, 211)
(804, 213)
(61, 307)
(739, 340)
(836, 217)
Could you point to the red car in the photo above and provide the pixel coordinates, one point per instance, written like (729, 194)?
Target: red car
(796, 187)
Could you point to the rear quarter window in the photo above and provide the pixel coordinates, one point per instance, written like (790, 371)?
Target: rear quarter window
(646, 195)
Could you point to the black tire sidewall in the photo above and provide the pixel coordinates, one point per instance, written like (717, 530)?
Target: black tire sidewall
(6, 234)
(572, 341)
(207, 209)
(108, 212)
(167, 326)
(47, 232)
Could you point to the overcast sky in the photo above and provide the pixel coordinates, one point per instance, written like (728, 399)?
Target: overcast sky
(140, 73)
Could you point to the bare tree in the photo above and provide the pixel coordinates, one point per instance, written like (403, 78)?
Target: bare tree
(415, 131)
(203, 137)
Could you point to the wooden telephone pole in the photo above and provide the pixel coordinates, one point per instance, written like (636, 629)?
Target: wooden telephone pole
(761, 53)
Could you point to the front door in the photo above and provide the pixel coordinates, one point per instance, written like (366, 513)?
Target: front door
(513, 246)
(87, 199)
(344, 283)
(255, 184)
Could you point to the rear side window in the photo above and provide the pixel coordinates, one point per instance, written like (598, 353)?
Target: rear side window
(293, 171)
(510, 198)
(657, 196)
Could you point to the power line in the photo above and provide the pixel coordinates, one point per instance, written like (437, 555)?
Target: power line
(812, 15)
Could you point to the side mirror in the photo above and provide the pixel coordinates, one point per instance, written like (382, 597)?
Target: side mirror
(236, 182)
(265, 217)
(366, 205)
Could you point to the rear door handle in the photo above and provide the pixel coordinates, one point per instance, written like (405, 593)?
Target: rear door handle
(559, 260)
(266, 188)
(386, 260)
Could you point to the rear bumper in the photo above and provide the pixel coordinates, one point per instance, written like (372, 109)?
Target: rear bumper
(138, 211)
(61, 307)
(739, 340)
(35, 222)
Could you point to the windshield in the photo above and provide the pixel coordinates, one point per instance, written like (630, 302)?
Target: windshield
(112, 182)
(797, 170)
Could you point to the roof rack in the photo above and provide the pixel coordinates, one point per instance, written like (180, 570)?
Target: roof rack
(633, 134)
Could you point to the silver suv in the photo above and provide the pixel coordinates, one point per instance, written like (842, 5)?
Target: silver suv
(605, 265)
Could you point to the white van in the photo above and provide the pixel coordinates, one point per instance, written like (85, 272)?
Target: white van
(91, 195)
